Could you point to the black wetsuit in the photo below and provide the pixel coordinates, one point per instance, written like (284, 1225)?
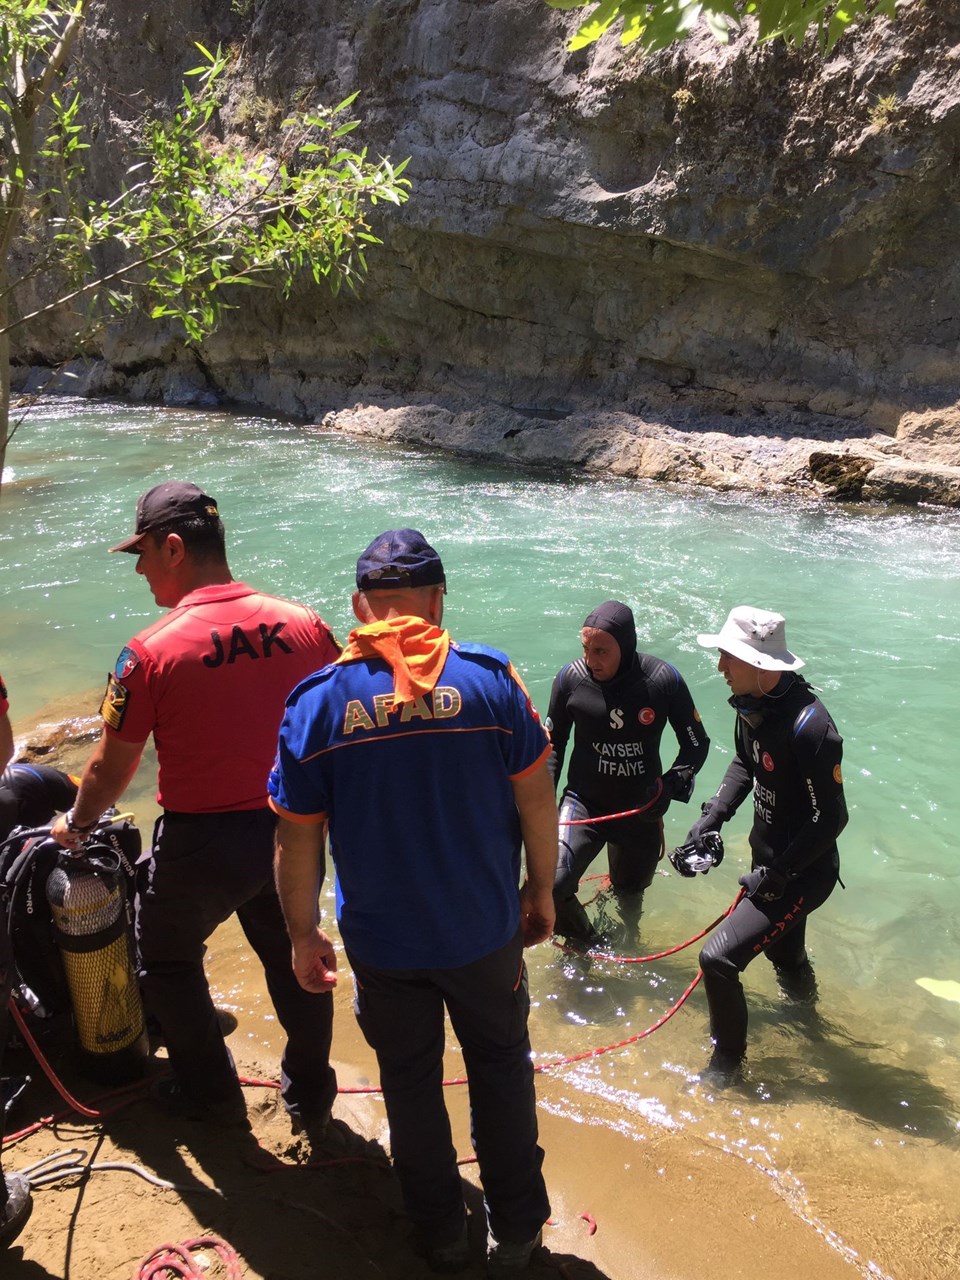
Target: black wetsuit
(615, 765)
(29, 797)
(788, 753)
(30, 794)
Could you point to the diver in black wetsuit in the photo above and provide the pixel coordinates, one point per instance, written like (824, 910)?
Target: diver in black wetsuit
(22, 801)
(618, 703)
(788, 753)
(30, 794)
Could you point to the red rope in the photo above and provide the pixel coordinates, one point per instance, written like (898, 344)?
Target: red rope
(622, 1044)
(610, 817)
(658, 955)
(590, 1053)
(641, 1035)
(177, 1260)
(558, 1062)
(134, 1090)
(74, 1105)
(45, 1066)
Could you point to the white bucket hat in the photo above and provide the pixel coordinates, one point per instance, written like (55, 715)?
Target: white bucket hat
(755, 636)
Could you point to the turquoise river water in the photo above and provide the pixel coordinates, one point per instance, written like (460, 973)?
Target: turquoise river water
(853, 1109)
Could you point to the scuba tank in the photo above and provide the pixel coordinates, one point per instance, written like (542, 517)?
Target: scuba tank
(89, 915)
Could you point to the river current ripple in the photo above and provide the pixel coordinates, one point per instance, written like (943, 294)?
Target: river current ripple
(851, 1107)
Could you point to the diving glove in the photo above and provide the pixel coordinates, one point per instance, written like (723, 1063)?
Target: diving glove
(678, 782)
(764, 883)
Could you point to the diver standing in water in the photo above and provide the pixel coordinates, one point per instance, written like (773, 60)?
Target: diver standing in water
(788, 754)
(208, 680)
(618, 703)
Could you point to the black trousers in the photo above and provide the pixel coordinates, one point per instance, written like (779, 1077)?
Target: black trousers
(201, 869)
(400, 1012)
(774, 929)
(6, 982)
(634, 847)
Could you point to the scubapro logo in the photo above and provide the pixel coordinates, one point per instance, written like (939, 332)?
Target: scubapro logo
(767, 761)
(616, 718)
(647, 715)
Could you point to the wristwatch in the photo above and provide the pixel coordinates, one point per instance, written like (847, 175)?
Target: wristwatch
(75, 827)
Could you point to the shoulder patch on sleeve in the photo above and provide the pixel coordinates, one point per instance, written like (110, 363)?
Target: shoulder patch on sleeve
(113, 708)
(128, 661)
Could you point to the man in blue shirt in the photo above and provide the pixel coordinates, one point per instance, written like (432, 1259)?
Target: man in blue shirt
(427, 762)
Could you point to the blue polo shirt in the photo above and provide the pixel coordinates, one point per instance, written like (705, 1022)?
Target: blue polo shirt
(424, 830)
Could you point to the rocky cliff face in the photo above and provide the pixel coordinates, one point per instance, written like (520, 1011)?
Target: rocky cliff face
(741, 241)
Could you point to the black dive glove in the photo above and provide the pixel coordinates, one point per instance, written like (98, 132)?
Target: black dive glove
(766, 884)
(708, 821)
(678, 783)
(700, 854)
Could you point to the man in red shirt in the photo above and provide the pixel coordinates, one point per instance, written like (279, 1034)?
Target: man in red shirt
(208, 680)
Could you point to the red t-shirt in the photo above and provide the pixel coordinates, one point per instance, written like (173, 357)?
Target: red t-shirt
(209, 681)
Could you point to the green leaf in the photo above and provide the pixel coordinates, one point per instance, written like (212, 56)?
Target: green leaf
(192, 216)
(593, 28)
(345, 103)
(671, 23)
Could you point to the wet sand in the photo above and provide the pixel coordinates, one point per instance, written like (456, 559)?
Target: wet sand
(666, 1208)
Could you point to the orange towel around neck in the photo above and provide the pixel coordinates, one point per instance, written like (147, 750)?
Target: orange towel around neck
(414, 649)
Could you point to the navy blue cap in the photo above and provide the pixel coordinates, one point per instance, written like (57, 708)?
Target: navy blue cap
(398, 559)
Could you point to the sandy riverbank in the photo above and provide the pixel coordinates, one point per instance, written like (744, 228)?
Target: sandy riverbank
(666, 1207)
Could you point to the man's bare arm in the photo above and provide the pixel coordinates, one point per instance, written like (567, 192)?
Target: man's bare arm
(108, 773)
(299, 871)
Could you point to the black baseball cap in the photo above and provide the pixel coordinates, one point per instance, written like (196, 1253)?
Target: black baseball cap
(398, 559)
(168, 503)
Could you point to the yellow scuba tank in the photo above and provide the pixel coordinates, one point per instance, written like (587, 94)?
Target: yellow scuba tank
(90, 923)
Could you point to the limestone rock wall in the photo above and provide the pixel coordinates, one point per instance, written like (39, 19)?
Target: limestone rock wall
(705, 236)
